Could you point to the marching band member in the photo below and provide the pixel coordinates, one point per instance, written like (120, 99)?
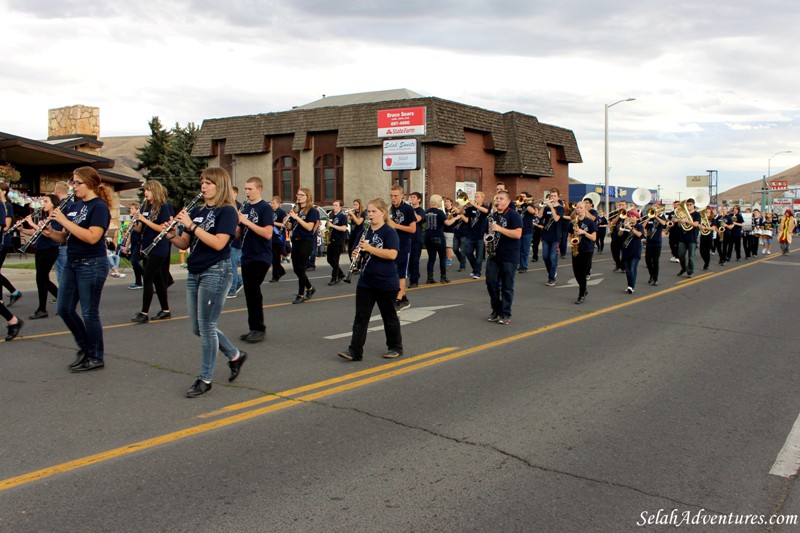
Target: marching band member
(404, 222)
(208, 231)
(755, 240)
(785, 229)
(688, 240)
(631, 247)
(747, 237)
(706, 241)
(337, 223)
(61, 190)
(551, 234)
(256, 233)
(378, 283)
(766, 235)
(528, 213)
(674, 234)
(536, 236)
(356, 216)
(47, 251)
(718, 223)
(149, 223)
(584, 229)
(85, 273)
(435, 222)
(452, 244)
(506, 226)
(304, 229)
(475, 216)
(132, 247)
(6, 220)
(602, 228)
(236, 252)
(734, 234)
(615, 222)
(417, 241)
(653, 228)
(13, 322)
(278, 241)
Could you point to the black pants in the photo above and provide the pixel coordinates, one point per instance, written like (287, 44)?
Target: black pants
(413, 261)
(136, 263)
(535, 241)
(705, 249)
(277, 254)
(581, 265)
(733, 243)
(365, 302)
(4, 312)
(674, 238)
(301, 253)
(652, 257)
(616, 252)
(253, 275)
(4, 280)
(436, 246)
(154, 276)
(750, 245)
(45, 259)
(562, 243)
(335, 249)
(601, 239)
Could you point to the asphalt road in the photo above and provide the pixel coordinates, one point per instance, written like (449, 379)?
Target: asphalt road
(573, 418)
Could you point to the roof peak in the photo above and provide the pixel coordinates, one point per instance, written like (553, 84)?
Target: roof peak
(361, 98)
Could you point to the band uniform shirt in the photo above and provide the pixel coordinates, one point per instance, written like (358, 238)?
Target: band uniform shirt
(634, 248)
(338, 219)
(162, 249)
(419, 235)
(256, 248)
(476, 223)
(507, 250)
(216, 221)
(237, 242)
(689, 237)
(93, 213)
(377, 273)
(403, 215)
(5, 236)
(585, 245)
(434, 224)
(736, 231)
(653, 231)
(527, 220)
(45, 243)
(2, 222)
(552, 229)
(301, 233)
(279, 216)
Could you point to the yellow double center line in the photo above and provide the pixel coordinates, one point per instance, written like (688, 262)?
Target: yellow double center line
(287, 398)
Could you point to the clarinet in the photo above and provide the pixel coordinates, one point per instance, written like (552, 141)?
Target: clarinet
(18, 224)
(358, 262)
(38, 232)
(170, 226)
(129, 230)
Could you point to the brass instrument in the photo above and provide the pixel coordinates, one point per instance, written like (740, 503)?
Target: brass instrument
(683, 217)
(462, 198)
(655, 211)
(491, 239)
(169, 227)
(575, 240)
(705, 225)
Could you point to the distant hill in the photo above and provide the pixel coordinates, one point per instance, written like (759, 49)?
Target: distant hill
(792, 175)
(123, 151)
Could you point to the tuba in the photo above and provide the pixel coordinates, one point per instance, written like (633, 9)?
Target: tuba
(705, 225)
(683, 217)
(594, 197)
(641, 196)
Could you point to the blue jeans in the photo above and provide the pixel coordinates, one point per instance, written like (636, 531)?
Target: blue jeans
(500, 284)
(550, 258)
(205, 294)
(113, 260)
(236, 260)
(525, 250)
(686, 256)
(61, 262)
(474, 250)
(631, 265)
(82, 281)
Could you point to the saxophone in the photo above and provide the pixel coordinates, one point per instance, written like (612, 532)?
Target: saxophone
(491, 238)
(575, 240)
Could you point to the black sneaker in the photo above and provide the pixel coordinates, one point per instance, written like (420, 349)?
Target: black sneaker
(430, 280)
(444, 279)
(163, 315)
(87, 365)
(580, 300)
(199, 387)
(403, 304)
(392, 354)
(13, 297)
(140, 318)
(299, 299)
(38, 314)
(310, 292)
(682, 272)
(254, 336)
(14, 329)
(504, 320)
(494, 317)
(236, 366)
(346, 354)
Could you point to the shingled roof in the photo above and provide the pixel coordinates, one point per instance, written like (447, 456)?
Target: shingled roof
(520, 140)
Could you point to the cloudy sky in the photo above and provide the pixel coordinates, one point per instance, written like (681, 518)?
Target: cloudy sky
(715, 82)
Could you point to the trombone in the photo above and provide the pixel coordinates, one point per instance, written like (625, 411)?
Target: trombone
(655, 211)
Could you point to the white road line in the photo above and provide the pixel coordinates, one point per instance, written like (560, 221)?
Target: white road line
(788, 461)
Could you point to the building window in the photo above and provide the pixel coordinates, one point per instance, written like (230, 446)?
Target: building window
(470, 174)
(286, 174)
(327, 178)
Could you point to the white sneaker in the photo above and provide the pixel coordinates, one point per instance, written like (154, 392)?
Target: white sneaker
(121, 275)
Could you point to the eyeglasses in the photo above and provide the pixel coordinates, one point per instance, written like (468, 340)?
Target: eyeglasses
(76, 182)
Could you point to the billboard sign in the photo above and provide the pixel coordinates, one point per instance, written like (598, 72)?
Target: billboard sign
(400, 154)
(697, 181)
(778, 185)
(403, 121)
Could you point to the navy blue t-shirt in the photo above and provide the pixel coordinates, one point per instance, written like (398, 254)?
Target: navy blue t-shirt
(653, 229)
(256, 248)
(216, 221)
(301, 233)
(237, 242)
(527, 220)
(377, 273)
(634, 248)
(507, 250)
(93, 213)
(148, 234)
(403, 215)
(689, 237)
(419, 235)
(338, 219)
(279, 216)
(552, 229)
(736, 231)
(476, 223)
(434, 224)
(45, 243)
(2, 221)
(585, 245)
(5, 237)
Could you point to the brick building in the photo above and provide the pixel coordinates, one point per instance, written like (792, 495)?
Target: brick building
(331, 146)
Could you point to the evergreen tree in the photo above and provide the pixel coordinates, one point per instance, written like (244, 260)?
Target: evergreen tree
(153, 156)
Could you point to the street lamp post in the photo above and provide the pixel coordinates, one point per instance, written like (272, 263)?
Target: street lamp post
(764, 179)
(606, 147)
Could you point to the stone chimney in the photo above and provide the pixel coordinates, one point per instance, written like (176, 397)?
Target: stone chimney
(74, 120)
